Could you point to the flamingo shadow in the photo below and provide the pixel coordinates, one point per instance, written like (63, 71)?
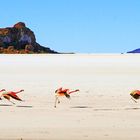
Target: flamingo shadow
(115, 109)
(81, 107)
(134, 108)
(106, 109)
(5, 105)
(26, 106)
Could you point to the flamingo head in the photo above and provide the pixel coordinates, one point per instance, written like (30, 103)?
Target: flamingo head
(21, 90)
(56, 91)
(2, 90)
(77, 90)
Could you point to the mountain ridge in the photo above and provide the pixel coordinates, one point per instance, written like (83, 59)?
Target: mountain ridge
(134, 51)
(20, 39)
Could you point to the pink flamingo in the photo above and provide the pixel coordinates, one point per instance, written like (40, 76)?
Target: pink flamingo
(10, 94)
(135, 94)
(63, 92)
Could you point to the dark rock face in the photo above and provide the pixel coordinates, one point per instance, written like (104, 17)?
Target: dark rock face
(135, 51)
(19, 37)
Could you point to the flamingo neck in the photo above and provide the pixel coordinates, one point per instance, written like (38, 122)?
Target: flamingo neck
(18, 91)
(72, 91)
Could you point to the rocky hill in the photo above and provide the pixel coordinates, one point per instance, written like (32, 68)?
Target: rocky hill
(20, 39)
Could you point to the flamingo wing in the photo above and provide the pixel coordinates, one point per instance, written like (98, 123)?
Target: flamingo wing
(135, 94)
(138, 92)
(6, 96)
(64, 94)
(67, 95)
(14, 96)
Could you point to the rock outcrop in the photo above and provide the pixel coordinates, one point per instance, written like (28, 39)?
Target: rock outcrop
(20, 39)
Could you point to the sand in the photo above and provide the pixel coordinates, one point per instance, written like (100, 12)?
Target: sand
(102, 110)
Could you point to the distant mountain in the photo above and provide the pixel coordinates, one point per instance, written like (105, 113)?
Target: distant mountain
(135, 51)
(20, 39)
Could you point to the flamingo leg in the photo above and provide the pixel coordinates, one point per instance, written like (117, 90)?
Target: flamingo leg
(56, 98)
(11, 102)
(134, 100)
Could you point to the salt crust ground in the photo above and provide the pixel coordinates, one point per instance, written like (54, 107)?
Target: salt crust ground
(102, 110)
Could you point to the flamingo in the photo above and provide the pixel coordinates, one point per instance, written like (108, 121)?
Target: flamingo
(12, 94)
(135, 94)
(63, 92)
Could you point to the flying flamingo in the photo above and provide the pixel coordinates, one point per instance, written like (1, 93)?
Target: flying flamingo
(135, 94)
(12, 94)
(63, 92)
